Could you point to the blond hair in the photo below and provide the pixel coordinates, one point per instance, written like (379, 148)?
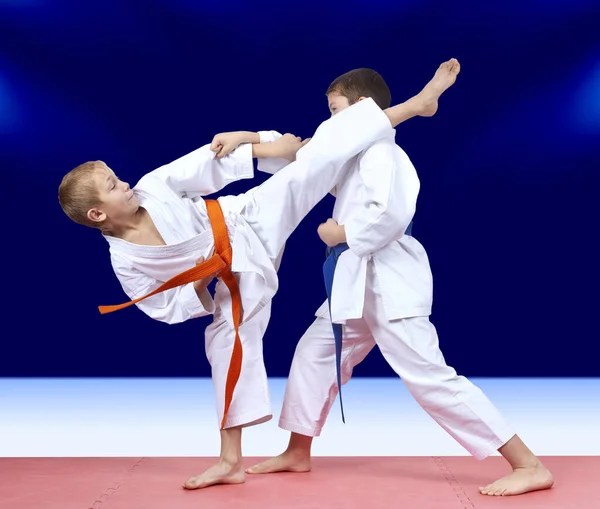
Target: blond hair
(78, 192)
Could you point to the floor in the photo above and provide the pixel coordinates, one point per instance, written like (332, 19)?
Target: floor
(129, 443)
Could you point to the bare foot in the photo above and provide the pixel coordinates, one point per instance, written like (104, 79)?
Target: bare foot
(221, 473)
(522, 480)
(286, 462)
(443, 79)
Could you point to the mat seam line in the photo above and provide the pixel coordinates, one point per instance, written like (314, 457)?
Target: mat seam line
(111, 490)
(459, 491)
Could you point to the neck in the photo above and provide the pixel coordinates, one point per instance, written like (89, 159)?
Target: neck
(123, 229)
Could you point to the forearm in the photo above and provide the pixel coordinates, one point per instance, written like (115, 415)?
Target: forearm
(201, 285)
(264, 150)
(259, 149)
(249, 137)
(365, 237)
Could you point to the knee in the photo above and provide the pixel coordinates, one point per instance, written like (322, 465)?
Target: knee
(346, 372)
(436, 392)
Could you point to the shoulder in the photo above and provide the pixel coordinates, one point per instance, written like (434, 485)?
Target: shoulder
(383, 153)
(381, 150)
(121, 263)
(148, 183)
(154, 187)
(387, 152)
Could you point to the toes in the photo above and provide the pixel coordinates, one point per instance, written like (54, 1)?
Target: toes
(258, 469)
(488, 490)
(193, 483)
(499, 491)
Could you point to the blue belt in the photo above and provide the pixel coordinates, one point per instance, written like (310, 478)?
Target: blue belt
(333, 254)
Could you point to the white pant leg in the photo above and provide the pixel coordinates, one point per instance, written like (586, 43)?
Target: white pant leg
(411, 348)
(251, 402)
(312, 387)
(275, 208)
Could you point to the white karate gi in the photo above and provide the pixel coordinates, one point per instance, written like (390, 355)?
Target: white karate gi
(382, 293)
(259, 223)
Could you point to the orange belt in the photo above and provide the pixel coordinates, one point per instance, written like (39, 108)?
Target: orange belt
(219, 262)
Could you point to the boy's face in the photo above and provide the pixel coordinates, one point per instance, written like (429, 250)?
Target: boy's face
(338, 102)
(117, 200)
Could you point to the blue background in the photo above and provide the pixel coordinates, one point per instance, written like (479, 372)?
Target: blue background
(508, 166)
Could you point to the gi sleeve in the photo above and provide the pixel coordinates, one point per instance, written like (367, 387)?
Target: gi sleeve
(199, 173)
(392, 189)
(271, 164)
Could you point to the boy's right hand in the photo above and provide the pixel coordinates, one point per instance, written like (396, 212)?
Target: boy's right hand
(287, 146)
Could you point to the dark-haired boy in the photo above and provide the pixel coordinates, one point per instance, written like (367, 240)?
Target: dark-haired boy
(380, 292)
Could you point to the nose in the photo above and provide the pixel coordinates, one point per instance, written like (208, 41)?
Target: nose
(126, 186)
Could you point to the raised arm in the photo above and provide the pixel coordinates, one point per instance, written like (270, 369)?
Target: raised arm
(200, 173)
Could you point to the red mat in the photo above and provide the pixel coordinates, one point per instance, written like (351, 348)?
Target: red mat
(334, 483)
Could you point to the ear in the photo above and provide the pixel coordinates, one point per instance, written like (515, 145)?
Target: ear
(361, 98)
(96, 215)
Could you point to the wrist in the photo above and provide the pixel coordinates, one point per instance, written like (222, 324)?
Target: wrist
(199, 287)
(249, 137)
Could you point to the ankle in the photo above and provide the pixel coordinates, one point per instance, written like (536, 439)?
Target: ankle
(527, 464)
(417, 104)
(298, 452)
(230, 460)
(299, 446)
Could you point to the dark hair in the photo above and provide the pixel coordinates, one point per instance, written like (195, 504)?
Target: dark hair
(362, 83)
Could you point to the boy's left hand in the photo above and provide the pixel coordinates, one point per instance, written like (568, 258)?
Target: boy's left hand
(202, 284)
(225, 143)
(332, 233)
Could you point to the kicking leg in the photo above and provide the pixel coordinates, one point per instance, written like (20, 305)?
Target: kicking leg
(425, 103)
(312, 389)
(275, 208)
